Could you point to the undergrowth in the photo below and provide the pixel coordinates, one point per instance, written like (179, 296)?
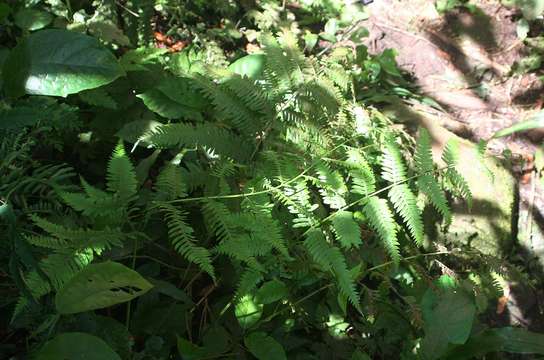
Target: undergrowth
(209, 203)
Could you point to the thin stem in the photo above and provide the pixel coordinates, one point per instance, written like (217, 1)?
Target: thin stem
(69, 9)
(255, 193)
(385, 264)
(133, 265)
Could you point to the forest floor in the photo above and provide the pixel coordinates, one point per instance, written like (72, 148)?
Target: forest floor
(463, 61)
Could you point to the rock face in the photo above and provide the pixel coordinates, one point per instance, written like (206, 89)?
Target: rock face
(487, 225)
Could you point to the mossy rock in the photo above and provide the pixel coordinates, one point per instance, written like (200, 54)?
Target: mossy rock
(487, 225)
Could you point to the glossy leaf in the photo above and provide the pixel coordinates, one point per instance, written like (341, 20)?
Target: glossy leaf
(58, 63)
(76, 346)
(99, 286)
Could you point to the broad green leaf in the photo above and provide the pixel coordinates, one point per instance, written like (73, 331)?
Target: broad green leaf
(508, 339)
(522, 29)
(388, 62)
(264, 347)
(535, 122)
(271, 291)
(76, 346)
(216, 340)
(248, 312)
(58, 63)
(32, 19)
(448, 314)
(99, 286)
(250, 65)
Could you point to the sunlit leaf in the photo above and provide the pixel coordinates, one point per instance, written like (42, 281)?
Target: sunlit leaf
(58, 63)
(99, 286)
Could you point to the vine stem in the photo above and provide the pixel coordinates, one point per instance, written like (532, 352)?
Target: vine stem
(133, 265)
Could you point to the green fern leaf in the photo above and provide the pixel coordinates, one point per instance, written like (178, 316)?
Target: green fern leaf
(427, 183)
(402, 198)
(457, 183)
(346, 229)
(381, 220)
(331, 186)
(329, 258)
(121, 177)
(405, 204)
(170, 184)
(248, 282)
(182, 238)
(362, 176)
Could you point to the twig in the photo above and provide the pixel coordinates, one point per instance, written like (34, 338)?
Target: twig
(396, 29)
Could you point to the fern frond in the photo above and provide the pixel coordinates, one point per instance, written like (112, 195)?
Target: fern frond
(457, 183)
(182, 238)
(329, 258)
(393, 168)
(381, 220)
(427, 183)
(296, 198)
(249, 280)
(403, 199)
(331, 186)
(346, 229)
(48, 242)
(362, 176)
(405, 204)
(216, 215)
(230, 105)
(59, 268)
(79, 239)
(181, 135)
(121, 176)
(170, 184)
(98, 97)
(106, 206)
(284, 64)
